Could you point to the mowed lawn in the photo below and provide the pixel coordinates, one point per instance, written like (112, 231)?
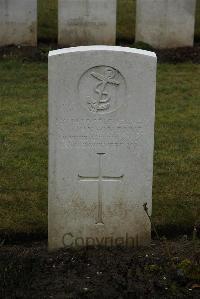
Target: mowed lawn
(23, 151)
(126, 15)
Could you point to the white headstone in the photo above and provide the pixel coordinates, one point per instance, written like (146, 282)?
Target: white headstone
(165, 23)
(101, 139)
(86, 22)
(18, 22)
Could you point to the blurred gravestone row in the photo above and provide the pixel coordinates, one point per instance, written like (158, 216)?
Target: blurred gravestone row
(159, 23)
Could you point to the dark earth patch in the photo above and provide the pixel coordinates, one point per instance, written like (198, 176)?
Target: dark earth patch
(179, 55)
(168, 269)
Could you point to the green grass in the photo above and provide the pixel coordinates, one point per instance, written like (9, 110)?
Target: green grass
(23, 167)
(23, 136)
(23, 151)
(47, 20)
(126, 20)
(176, 191)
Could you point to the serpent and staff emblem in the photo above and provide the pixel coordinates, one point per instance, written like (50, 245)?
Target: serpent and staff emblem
(102, 89)
(102, 97)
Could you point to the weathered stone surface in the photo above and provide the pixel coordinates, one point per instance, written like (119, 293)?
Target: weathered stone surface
(101, 136)
(18, 22)
(86, 22)
(165, 23)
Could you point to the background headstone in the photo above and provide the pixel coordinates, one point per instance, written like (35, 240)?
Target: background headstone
(166, 23)
(101, 137)
(18, 22)
(86, 22)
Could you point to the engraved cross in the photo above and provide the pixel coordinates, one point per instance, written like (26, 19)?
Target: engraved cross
(100, 179)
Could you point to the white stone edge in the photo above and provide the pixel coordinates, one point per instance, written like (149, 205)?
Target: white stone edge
(101, 48)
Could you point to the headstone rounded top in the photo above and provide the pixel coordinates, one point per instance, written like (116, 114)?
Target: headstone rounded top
(102, 48)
